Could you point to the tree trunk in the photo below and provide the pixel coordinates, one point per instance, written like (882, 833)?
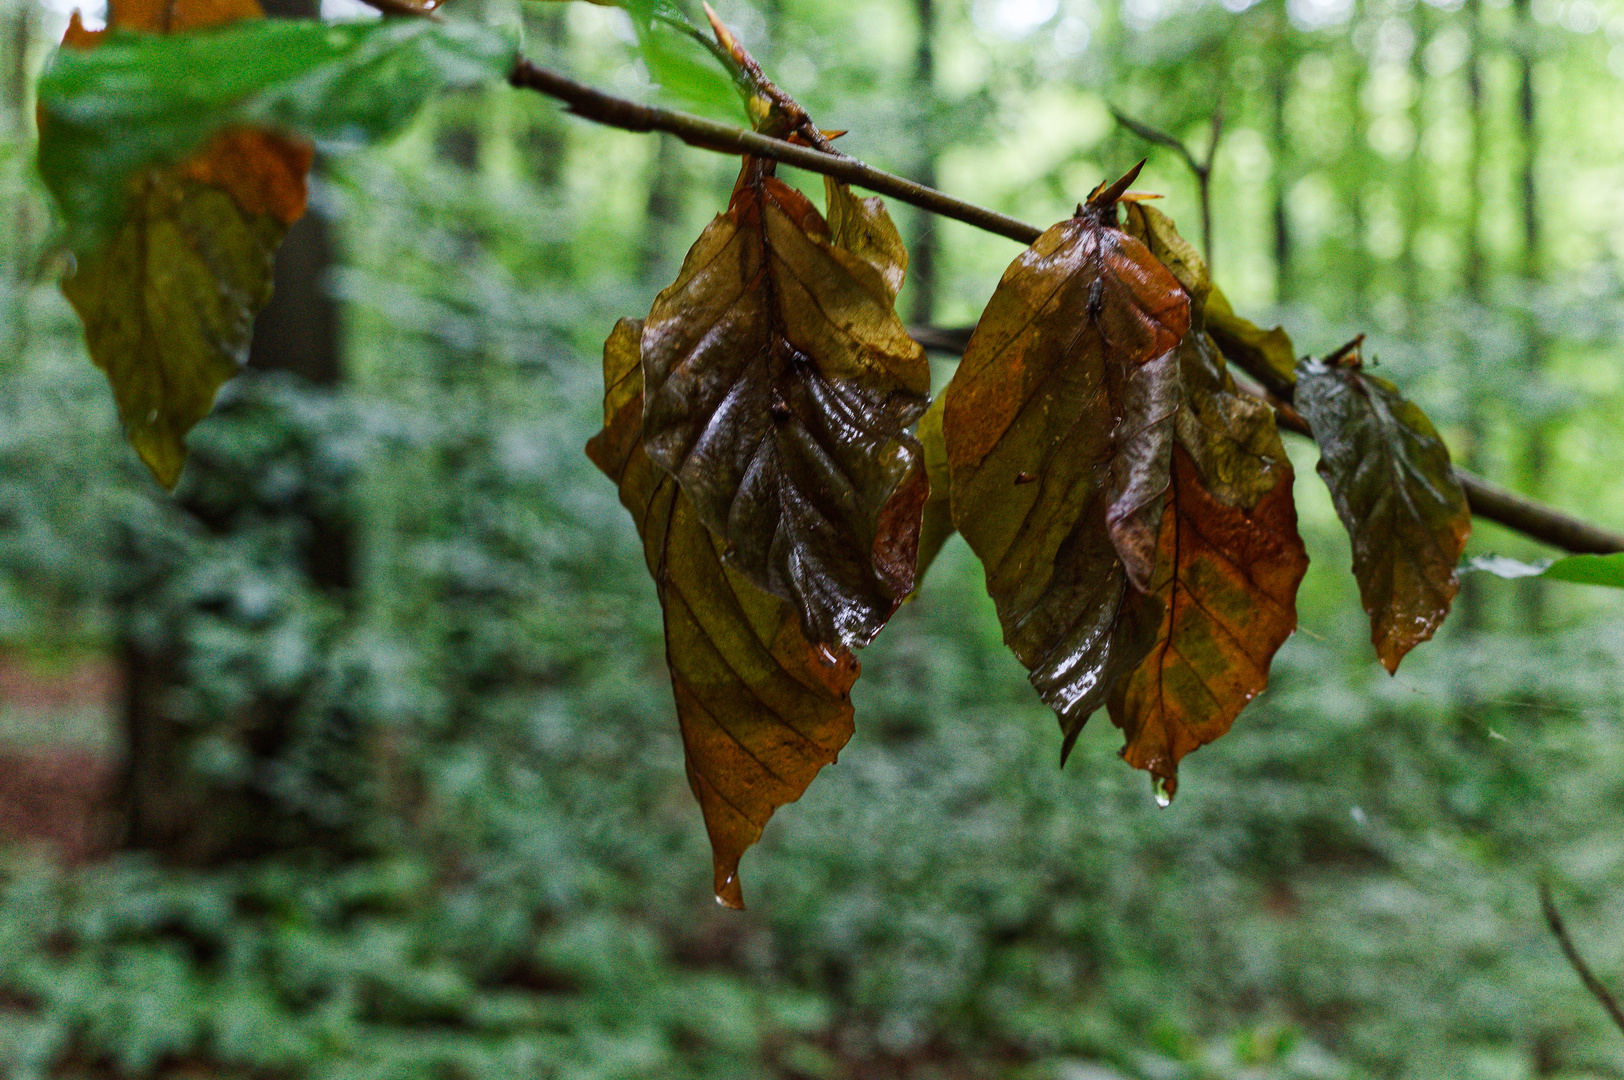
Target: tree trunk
(923, 245)
(1415, 177)
(1279, 91)
(20, 42)
(1536, 453)
(1470, 604)
(666, 188)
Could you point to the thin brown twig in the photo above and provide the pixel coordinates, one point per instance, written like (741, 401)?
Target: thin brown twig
(1488, 501)
(591, 104)
(1553, 918)
(1202, 170)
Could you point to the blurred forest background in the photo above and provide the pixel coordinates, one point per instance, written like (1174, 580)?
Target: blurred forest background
(356, 758)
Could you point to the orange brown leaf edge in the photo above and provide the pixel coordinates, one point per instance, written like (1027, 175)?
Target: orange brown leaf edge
(168, 302)
(1055, 416)
(936, 522)
(781, 387)
(761, 708)
(1396, 493)
(1228, 565)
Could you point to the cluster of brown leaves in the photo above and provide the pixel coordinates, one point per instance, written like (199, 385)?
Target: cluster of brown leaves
(1132, 505)
(770, 428)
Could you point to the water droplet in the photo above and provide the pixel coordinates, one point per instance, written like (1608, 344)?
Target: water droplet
(1163, 792)
(1357, 813)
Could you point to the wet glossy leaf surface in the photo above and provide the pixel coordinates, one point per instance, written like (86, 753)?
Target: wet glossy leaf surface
(1228, 564)
(1393, 487)
(1031, 428)
(761, 708)
(781, 386)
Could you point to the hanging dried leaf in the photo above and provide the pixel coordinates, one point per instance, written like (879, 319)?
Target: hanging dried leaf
(781, 385)
(761, 708)
(1395, 491)
(1052, 427)
(169, 302)
(1228, 565)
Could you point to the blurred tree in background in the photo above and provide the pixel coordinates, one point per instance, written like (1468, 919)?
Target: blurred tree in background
(359, 753)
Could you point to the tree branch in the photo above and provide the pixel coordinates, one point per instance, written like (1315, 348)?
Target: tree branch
(1488, 501)
(1577, 962)
(595, 105)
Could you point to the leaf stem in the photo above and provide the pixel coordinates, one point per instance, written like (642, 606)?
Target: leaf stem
(1488, 501)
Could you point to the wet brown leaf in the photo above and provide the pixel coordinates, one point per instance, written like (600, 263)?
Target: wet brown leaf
(781, 385)
(1052, 426)
(1396, 493)
(761, 708)
(1228, 564)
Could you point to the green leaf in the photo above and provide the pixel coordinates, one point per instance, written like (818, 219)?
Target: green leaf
(670, 46)
(1589, 570)
(141, 99)
(1396, 493)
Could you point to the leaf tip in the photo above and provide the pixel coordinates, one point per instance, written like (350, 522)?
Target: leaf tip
(729, 893)
(1163, 788)
(1107, 195)
(1070, 743)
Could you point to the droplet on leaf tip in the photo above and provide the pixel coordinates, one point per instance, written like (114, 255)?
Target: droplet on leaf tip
(1162, 790)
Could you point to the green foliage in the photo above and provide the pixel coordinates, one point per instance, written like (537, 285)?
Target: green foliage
(139, 99)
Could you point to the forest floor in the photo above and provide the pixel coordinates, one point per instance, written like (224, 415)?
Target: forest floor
(56, 751)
